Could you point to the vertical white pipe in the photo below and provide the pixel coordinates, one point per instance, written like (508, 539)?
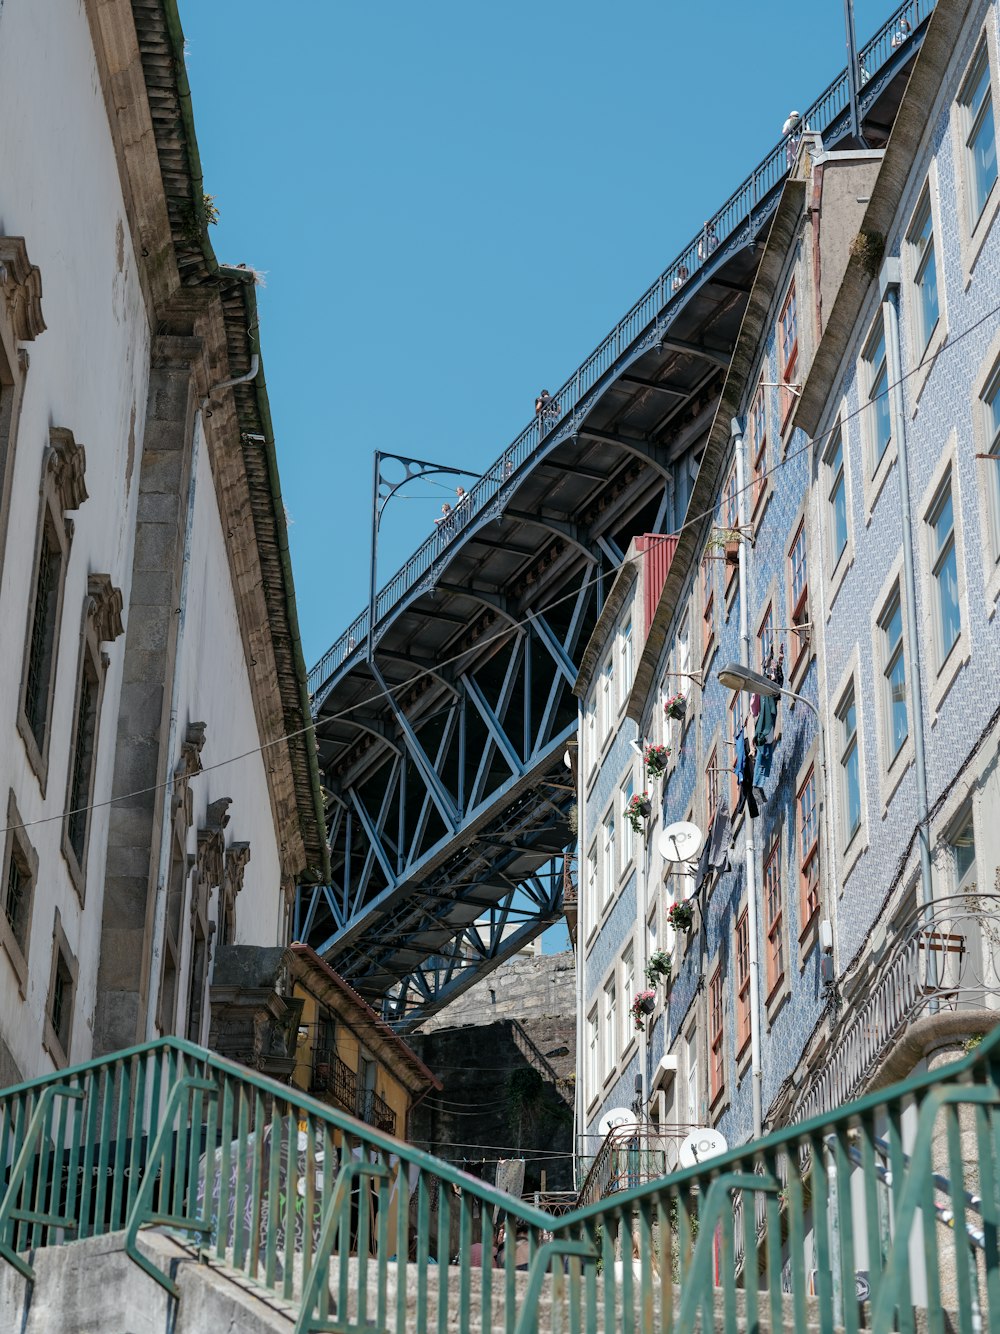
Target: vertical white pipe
(756, 1073)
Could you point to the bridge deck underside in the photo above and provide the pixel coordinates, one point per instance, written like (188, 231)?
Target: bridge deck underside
(442, 752)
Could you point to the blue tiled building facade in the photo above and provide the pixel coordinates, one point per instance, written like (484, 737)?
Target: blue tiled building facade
(864, 398)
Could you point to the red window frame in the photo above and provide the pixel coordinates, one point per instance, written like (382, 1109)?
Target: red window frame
(788, 344)
(798, 590)
(808, 813)
(731, 520)
(708, 610)
(716, 1043)
(742, 955)
(758, 447)
(774, 916)
(765, 627)
(711, 789)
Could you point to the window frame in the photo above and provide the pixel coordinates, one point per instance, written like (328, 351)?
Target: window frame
(626, 792)
(628, 657)
(716, 1036)
(810, 867)
(890, 655)
(628, 994)
(848, 754)
(972, 119)
(757, 447)
(741, 959)
(18, 849)
(939, 556)
(875, 368)
(773, 898)
(836, 480)
(788, 352)
(609, 1011)
(798, 603)
(707, 610)
(64, 971)
(609, 858)
(921, 259)
(988, 400)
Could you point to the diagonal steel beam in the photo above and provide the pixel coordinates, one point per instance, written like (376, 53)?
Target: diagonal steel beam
(554, 644)
(500, 738)
(440, 796)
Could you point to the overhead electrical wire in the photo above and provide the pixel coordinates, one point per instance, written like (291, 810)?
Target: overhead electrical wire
(514, 626)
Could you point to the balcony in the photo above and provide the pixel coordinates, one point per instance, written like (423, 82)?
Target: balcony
(331, 1078)
(375, 1111)
(632, 1156)
(945, 958)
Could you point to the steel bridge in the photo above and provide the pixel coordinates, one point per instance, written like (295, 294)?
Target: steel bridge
(442, 726)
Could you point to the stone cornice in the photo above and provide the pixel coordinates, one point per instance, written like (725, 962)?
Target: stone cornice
(22, 289)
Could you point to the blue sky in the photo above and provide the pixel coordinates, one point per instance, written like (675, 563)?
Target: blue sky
(453, 203)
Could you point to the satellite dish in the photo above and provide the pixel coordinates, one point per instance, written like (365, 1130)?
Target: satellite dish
(618, 1116)
(680, 842)
(701, 1145)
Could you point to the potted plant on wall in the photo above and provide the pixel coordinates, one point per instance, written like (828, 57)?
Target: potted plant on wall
(727, 540)
(659, 967)
(675, 706)
(638, 810)
(643, 1005)
(680, 915)
(655, 759)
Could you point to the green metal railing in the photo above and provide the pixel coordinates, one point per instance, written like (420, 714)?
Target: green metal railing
(892, 1202)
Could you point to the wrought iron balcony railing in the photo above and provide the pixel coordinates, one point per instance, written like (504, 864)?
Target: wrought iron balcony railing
(489, 495)
(332, 1076)
(632, 1156)
(375, 1111)
(946, 957)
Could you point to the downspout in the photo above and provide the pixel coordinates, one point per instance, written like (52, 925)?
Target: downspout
(889, 282)
(583, 1056)
(163, 862)
(756, 1073)
(641, 892)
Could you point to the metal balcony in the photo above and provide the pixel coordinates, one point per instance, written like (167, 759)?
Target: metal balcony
(632, 1156)
(375, 1111)
(331, 1076)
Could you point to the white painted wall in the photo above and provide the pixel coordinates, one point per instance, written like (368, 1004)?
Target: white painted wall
(60, 190)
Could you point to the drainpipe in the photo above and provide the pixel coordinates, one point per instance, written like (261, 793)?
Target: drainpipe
(642, 954)
(756, 1073)
(163, 863)
(889, 282)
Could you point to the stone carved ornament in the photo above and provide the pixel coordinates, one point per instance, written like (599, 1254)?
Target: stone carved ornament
(104, 608)
(22, 289)
(66, 461)
(185, 769)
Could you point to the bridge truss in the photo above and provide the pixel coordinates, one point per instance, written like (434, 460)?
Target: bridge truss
(443, 728)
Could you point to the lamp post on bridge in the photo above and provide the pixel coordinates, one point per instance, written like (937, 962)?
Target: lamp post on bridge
(383, 490)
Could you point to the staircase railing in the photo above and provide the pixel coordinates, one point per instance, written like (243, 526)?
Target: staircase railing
(895, 1198)
(900, 31)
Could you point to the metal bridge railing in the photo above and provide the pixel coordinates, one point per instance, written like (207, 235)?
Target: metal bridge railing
(359, 1230)
(737, 212)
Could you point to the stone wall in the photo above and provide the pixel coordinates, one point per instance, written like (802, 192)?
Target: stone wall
(506, 1054)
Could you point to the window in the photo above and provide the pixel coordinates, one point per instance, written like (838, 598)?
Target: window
(731, 521)
(591, 894)
(628, 994)
(711, 790)
(19, 873)
(765, 636)
(742, 982)
(610, 859)
(62, 489)
(757, 451)
(808, 852)
(774, 915)
(878, 425)
(652, 934)
(62, 995)
(628, 834)
(716, 1038)
(691, 1066)
(608, 696)
(991, 406)
(683, 652)
(963, 847)
(788, 350)
(610, 1026)
(920, 240)
(798, 591)
(850, 766)
(707, 608)
(628, 658)
(836, 497)
(976, 101)
(101, 623)
(590, 718)
(735, 722)
(593, 1055)
(890, 625)
(944, 571)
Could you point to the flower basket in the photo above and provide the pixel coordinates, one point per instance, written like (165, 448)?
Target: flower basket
(655, 759)
(659, 966)
(680, 915)
(644, 1004)
(676, 706)
(638, 810)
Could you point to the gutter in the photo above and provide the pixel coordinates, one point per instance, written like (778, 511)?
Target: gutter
(281, 534)
(176, 34)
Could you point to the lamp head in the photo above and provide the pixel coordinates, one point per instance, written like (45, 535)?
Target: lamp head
(734, 676)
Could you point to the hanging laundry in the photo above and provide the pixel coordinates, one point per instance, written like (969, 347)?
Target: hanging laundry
(762, 767)
(743, 768)
(720, 837)
(763, 732)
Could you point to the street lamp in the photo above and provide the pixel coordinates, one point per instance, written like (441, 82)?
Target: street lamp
(734, 676)
(383, 490)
